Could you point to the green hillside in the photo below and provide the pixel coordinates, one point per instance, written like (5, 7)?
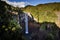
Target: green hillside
(43, 12)
(10, 29)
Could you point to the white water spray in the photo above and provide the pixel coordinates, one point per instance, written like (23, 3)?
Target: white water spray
(26, 24)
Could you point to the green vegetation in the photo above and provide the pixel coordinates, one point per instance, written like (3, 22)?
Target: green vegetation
(10, 29)
(6, 19)
(44, 12)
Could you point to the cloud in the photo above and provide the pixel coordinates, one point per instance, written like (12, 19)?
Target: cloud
(17, 4)
(3, 0)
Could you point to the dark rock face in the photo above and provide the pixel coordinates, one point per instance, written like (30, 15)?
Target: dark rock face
(35, 32)
(39, 35)
(59, 34)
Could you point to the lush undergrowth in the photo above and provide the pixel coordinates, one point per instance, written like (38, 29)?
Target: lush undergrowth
(10, 29)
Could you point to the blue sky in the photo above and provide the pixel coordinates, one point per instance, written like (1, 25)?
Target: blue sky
(35, 2)
(23, 3)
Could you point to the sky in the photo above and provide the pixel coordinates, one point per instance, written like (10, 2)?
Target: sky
(23, 3)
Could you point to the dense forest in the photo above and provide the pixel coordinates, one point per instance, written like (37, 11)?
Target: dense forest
(46, 16)
(9, 27)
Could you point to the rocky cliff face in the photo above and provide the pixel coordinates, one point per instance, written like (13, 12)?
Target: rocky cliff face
(58, 19)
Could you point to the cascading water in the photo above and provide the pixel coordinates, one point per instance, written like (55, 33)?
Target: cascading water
(26, 23)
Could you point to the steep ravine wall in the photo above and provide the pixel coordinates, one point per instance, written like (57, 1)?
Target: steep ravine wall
(58, 19)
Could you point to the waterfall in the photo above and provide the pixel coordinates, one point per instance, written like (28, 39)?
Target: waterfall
(26, 23)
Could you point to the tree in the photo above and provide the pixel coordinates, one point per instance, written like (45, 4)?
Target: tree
(9, 28)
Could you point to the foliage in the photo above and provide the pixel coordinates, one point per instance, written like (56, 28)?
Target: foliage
(44, 12)
(10, 29)
(52, 30)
